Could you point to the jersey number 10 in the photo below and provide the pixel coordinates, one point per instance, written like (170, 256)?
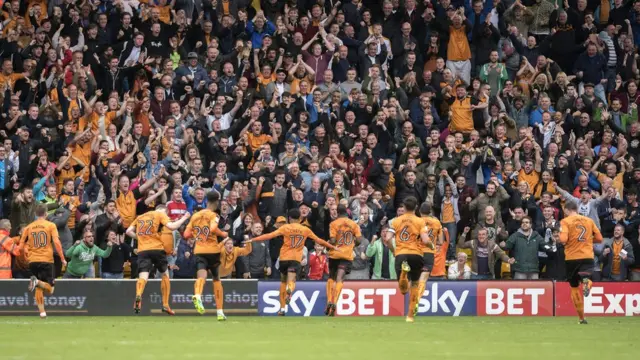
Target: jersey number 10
(39, 239)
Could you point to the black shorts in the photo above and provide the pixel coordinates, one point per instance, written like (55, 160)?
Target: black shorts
(416, 262)
(428, 262)
(288, 266)
(209, 262)
(43, 272)
(577, 270)
(149, 259)
(335, 264)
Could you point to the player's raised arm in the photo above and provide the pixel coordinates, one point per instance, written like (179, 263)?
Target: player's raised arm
(265, 237)
(214, 229)
(317, 240)
(564, 232)
(22, 242)
(56, 243)
(388, 240)
(175, 225)
(188, 231)
(425, 238)
(131, 231)
(597, 235)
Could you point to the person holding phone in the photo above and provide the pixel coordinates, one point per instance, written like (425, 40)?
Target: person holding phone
(617, 256)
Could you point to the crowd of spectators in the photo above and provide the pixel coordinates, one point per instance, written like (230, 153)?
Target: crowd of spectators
(495, 112)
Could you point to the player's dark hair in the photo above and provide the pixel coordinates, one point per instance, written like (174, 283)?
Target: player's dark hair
(41, 210)
(342, 210)
(294, 214)
(410, 203)
(571, 206)
(213, 196)
(425, 209)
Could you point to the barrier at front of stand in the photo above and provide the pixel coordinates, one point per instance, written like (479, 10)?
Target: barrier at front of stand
(115, 297)
(358, 298)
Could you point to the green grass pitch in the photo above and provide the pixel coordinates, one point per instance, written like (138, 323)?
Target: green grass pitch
(239, 338)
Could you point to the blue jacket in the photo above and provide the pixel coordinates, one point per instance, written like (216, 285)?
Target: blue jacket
(200, 73)
(186, 266)
(256, 37)
(535, 117)
(592, 181)
(190, 200)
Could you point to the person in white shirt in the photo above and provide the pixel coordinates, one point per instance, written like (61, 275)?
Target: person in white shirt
(460, 270)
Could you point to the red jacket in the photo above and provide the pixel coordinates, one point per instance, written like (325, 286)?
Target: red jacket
(318, 266)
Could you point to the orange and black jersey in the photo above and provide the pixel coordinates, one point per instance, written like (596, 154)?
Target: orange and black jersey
(203, 227)
(345, 231)
(408, 229)
(578, 233)
(148, 229)
(293, 240)
(435, 231)
(126, 205)
(38, 240)
(63, 175)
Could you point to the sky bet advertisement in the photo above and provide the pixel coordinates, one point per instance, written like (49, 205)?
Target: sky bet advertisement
(441, 298)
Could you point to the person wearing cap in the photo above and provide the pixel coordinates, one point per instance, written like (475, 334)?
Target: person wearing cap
(278, 85)
(587, 206)
(191, 73)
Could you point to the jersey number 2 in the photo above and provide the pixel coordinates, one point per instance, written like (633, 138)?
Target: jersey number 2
(583, 231)
(144, 227)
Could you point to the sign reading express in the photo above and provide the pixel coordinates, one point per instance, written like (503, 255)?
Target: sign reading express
(606, 299)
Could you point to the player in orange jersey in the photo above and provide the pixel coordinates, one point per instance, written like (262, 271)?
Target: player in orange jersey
(147, 228)
(344, 233)
(37, 241)
(204, 228)
(294, 236)
(578, 233)
(406, 238)
(436, 237)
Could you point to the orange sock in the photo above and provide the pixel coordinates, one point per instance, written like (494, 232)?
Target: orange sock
(218, 293)
(198, 286)
(165, 289)
(413, 300)
(578, 301)
(140, 284)
(291, 285)
(45, 287)
(421, 287)
(337, 291)
(283, 294)
(330, 284)
(40, 299)
(403, 283)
